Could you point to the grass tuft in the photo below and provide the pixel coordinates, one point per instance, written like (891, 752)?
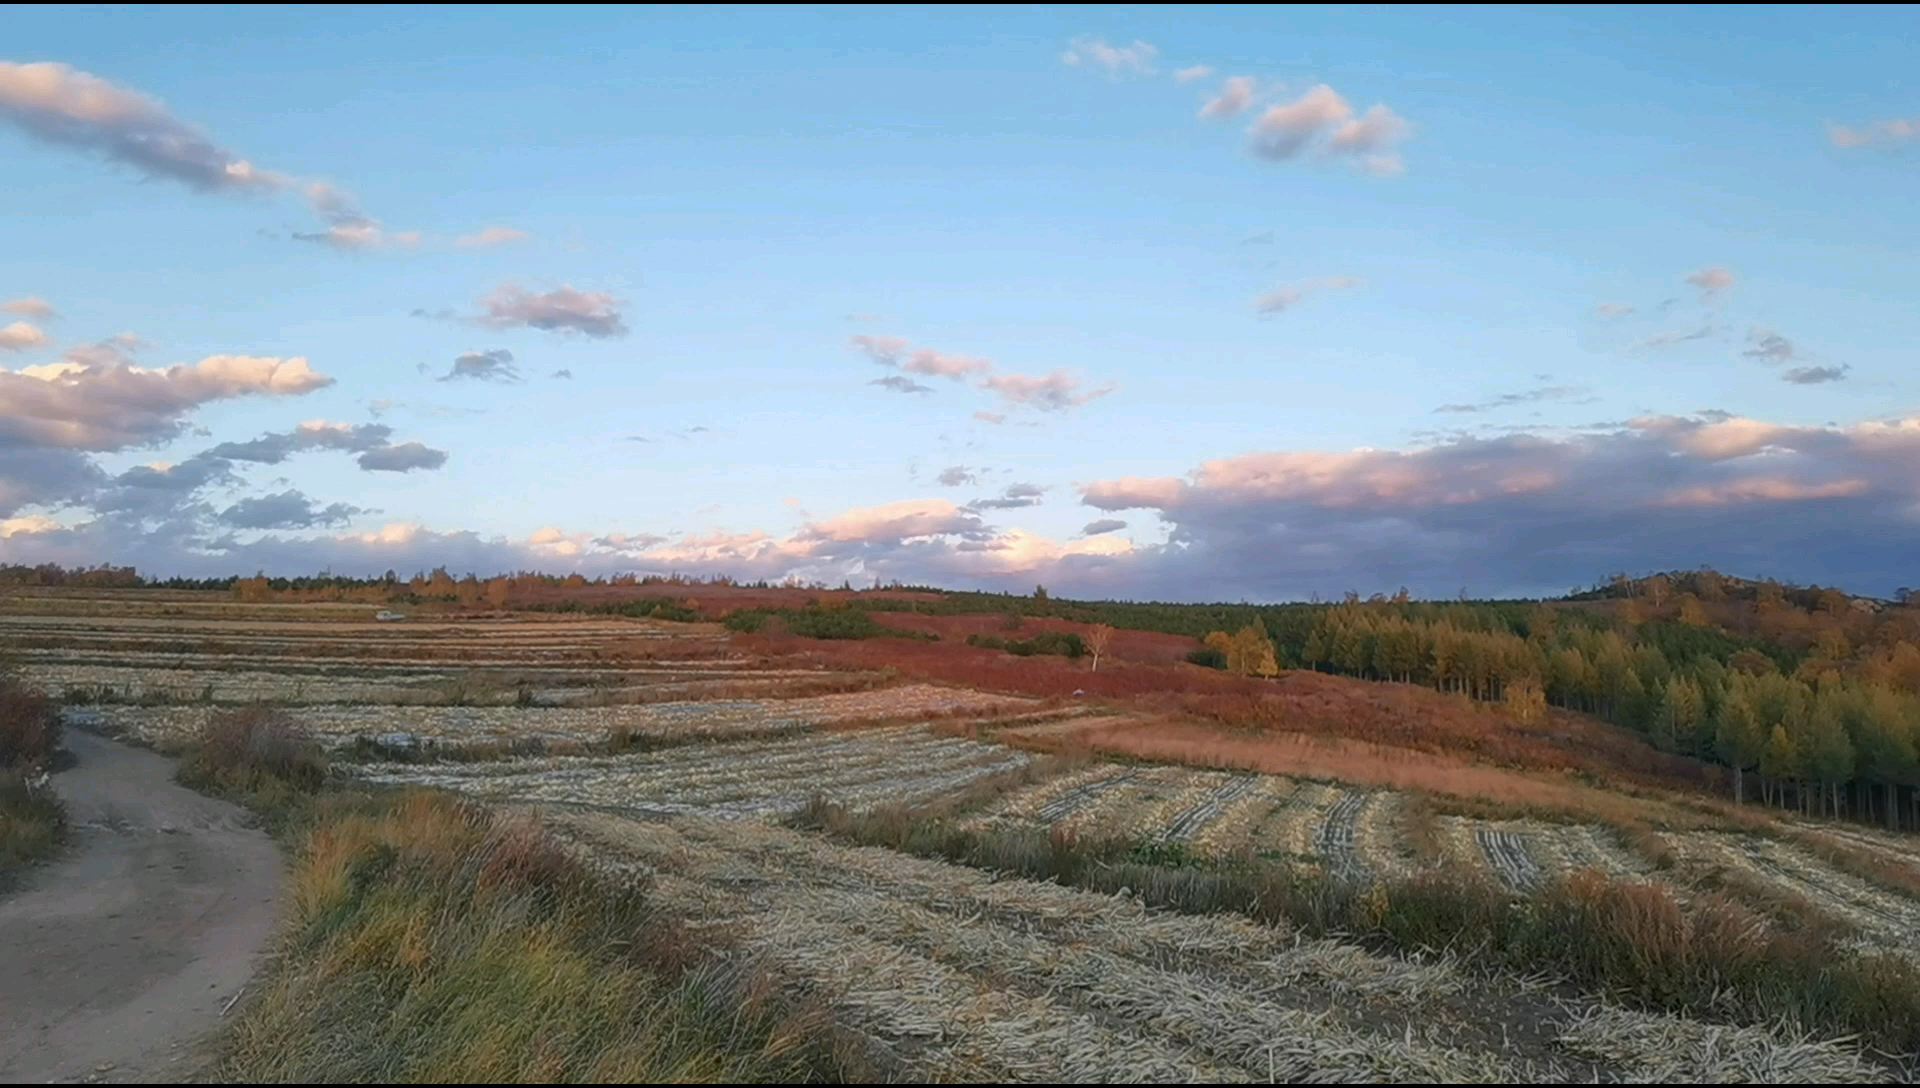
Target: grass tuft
(32, 821)
(432, 941)
(257, 756)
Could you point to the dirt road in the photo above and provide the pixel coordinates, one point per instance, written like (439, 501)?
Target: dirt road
(116, 959)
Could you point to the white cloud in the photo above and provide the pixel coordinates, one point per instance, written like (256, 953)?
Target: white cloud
(1190, 75)
(1115, 60)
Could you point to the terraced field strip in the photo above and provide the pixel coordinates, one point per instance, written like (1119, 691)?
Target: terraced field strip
(1566, 848)
(1156, 807)
(1523, 854)
(1334, 841)
(1232, 832)
(1045, 803)
(1888, 919)
(1293, 827)
(320, 664)
(1379, 842)
(1899, 849)
(339, 726)
(1506, 854)
(443, 685)
(280, 632)
(1190, 821)
(949, 973)
(1127, 809)
(744, 780)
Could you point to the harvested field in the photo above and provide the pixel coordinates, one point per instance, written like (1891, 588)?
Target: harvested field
(1522, 854)
(947, 973)
(1881, 918)
(453, 728)
(1213, 814)
(413, 685)
(744, 780)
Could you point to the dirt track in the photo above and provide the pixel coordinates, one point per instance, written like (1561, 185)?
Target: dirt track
(116, 959)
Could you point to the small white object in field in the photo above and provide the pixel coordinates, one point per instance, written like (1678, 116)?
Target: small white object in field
(1078, 692)
(386, 616)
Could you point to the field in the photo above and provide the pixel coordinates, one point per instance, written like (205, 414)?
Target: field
(678, 757)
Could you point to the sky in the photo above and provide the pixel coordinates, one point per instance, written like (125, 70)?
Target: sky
(1150, 303)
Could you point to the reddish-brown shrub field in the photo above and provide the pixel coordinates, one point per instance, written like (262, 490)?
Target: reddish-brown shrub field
(1241, 710)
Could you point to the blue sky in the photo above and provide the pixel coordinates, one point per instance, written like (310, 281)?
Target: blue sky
(750, 189)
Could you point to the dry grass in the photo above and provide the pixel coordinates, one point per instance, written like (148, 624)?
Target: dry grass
(432, 942)
(257, 756)
(32, 824)
(32, 820)
(1874, 866)
(29, 725)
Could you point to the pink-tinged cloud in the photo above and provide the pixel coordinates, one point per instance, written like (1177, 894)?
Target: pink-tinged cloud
(894, 523)
(1899, 130)
(1235, 97)
(563, 310)
(892, 351)
(1193, 74)
(488, 237)
(1371, 138)
(62, 105)
(19, 336)
(1135, 492)
(1286, 296)
(38, 309)
(1762, 489)
(1531, 512)
(1520, 514)
(1712, 280)
(111, 406)
(1054, 392)
(1323, 122)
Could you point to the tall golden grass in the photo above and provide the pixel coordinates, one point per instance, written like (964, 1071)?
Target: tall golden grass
(432, 941)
